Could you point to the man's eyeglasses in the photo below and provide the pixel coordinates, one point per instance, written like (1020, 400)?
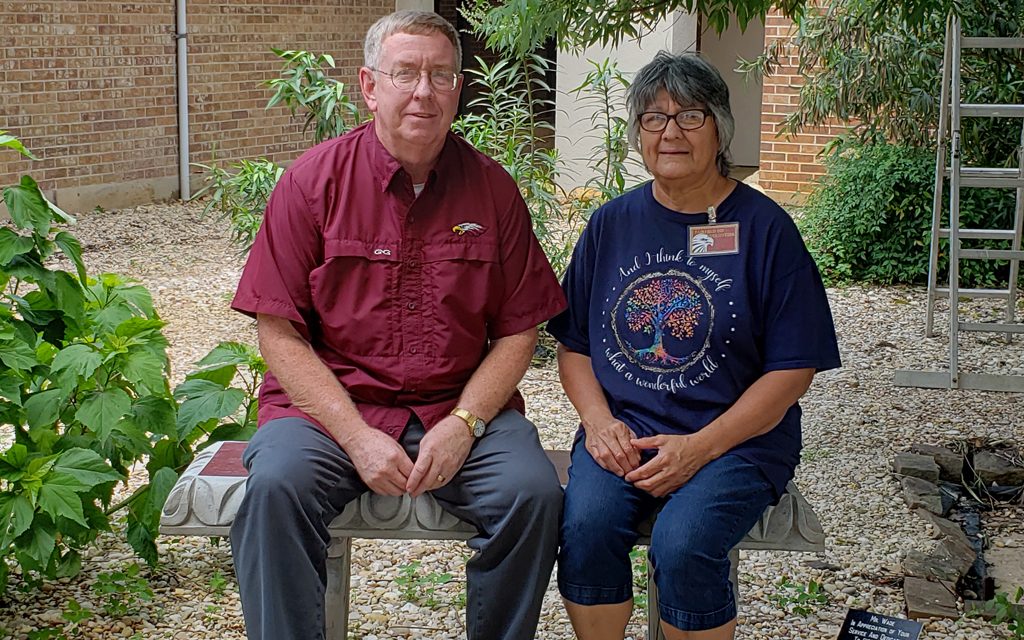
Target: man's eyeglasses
(407, 79)
(656, 121)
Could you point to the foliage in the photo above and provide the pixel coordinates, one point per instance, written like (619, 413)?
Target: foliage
(869, 218)
(1009, 611)
(123, 592)
(800, 599)
(239, 193)
(304, 84)
(521, 26)
(422, 588)
(84, 388)
(603, 92)
(880, 75)
(73, 614)
(240, 197)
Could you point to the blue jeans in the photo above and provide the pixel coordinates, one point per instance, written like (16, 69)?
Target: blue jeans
(697, 525)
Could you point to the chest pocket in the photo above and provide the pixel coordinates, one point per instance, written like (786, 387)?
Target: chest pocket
(354, 293)
(463, 290)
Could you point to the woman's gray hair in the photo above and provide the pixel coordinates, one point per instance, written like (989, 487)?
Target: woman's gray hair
(417, 23)
(690, 81)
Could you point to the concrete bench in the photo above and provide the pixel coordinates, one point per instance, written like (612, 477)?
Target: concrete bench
(204, 500)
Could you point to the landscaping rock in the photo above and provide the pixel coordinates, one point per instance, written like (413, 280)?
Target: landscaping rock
(995, 469)
(916, 465)
(951, 463)
(929, 566)
(926, 599)
(954, 548)
(921, 493)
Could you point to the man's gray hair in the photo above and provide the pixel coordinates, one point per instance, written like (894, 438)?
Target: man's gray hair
(416, 23)
(690, 81)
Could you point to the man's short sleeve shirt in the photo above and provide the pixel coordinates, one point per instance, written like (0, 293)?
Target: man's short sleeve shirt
(398, 294)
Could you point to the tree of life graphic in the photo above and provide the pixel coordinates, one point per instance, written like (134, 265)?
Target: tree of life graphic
(663, 306)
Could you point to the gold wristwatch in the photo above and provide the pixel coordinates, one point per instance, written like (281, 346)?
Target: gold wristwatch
(475, 424)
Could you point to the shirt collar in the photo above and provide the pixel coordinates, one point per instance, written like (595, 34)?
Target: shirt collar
(386, 167)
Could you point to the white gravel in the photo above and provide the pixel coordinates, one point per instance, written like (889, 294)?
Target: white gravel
(855, 419)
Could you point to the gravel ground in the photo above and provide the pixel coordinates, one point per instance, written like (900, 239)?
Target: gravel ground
(855, 419)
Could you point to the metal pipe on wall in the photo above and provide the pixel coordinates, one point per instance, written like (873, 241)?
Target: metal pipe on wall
(181, 38)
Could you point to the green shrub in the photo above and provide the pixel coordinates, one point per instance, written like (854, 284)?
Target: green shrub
(84, 389)
(869, 218)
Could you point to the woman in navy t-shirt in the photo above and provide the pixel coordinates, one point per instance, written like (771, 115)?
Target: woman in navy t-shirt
(696, 321)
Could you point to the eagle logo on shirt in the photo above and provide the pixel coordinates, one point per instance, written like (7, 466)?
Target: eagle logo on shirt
(471, 228)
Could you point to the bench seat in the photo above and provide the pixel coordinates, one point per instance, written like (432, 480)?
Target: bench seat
(206, 497)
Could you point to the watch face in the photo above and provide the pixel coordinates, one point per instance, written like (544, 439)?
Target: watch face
(478, 428)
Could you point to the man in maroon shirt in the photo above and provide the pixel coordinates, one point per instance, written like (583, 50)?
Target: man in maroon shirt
(397, 287)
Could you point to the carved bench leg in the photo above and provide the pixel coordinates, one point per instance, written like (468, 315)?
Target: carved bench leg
(339, 574)
(654, 631)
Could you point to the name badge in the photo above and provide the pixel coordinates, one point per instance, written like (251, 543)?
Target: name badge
(714, 239)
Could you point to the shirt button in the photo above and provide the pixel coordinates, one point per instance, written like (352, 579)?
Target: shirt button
(411, 305)
(413, 351)
(413, 264)
(411, 219)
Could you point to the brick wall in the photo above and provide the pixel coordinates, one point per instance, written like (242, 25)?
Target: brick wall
(89, 86)
(788, 163)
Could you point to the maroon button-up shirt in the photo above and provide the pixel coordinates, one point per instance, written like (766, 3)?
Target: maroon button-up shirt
(399, 295)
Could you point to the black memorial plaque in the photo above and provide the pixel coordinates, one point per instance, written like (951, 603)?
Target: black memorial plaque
(865, 625)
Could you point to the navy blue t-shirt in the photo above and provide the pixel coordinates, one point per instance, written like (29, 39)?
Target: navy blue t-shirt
(678, 328)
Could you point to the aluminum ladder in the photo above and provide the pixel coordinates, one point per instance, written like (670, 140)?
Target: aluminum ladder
(951, 110)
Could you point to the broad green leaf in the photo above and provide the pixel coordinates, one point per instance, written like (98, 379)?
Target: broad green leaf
(142, 540)
(43, 408)
(226, 353)
(40, 542)
(70, 295)
(85, 465)
(17, 456)
(137, 296)
(205, 401)
(17, 355)
(9, 141)
(13, 244)
(28, 207)
(16, 515)
(10, 387)
(160, 485)
(71, 248)
(102, 410)
(155, 414)
(138, 326)
(110, 315)
(58, 498)
(143, 367)
(230, 431)
(76, 360)
(69, 566)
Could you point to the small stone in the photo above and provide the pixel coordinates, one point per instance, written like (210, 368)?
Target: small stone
(994, 469)
(926, 599)
(951, 463)
(921, 493)
(916, 465)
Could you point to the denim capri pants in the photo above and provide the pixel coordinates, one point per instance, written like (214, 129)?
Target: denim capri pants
(698, 525)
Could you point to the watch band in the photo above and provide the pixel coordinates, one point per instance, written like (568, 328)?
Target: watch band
(469, 418)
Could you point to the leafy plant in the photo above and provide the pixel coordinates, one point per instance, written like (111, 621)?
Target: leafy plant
(84, 388)
(239, 193)
(217, 583)
(800, 599)
(304, 85)
(73, 614)
(239, 197)
(123, 592)
(869, 218)
(1007, 610)
(422, 588)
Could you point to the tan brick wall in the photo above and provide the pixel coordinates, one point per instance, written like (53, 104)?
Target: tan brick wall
(89, 85)
(789, 164)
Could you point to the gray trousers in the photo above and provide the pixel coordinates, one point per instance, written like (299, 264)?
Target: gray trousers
(300, 480)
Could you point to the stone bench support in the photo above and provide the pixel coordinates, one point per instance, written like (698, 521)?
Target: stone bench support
(204, 500)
